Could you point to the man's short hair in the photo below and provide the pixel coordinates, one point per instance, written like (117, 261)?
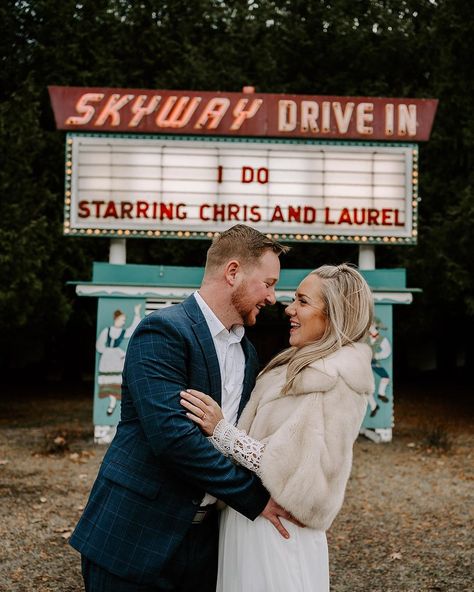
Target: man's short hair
(243, 243)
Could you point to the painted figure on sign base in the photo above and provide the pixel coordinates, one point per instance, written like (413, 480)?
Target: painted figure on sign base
(381, 350)
(112, 356)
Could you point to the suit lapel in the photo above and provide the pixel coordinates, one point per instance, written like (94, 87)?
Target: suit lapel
(204, 338)
(249, 376)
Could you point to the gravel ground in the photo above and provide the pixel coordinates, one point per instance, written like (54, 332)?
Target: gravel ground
(406, 524)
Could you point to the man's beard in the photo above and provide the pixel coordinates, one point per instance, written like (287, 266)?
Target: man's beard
(244, 305)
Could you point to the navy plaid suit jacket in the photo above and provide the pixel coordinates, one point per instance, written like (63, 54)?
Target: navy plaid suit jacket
(159, 465)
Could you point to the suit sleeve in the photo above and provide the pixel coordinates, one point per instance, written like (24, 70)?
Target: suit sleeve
(156, 370)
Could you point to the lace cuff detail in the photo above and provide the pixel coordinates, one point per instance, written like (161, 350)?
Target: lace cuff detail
(235, 443)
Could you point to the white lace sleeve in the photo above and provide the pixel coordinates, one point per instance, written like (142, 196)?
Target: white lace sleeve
(238, 445)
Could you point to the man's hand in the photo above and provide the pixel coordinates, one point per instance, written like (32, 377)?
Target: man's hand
(273, 512)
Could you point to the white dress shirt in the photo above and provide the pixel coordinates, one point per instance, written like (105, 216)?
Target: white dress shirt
(231, 365)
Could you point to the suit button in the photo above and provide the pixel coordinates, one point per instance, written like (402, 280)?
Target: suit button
(196, 502)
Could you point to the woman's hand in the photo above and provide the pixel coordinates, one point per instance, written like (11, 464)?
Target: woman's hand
(202, 409)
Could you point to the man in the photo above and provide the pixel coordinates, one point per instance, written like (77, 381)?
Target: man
(150, 523)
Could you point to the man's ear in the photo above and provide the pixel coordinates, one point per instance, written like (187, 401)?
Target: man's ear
(231, 271)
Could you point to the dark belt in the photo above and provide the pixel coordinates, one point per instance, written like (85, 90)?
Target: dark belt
(203, 513)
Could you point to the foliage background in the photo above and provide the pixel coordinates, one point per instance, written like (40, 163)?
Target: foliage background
(399, 48)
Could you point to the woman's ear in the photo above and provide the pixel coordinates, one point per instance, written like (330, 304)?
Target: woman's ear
(231, 271)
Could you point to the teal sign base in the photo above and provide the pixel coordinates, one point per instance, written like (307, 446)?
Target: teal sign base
(127, 292)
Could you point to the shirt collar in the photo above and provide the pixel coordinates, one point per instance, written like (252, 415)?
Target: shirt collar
(215, 325)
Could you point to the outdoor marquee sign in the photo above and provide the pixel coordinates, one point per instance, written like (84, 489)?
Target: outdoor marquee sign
(190, 164)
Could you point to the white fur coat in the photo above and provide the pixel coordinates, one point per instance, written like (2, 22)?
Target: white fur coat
(309, 433)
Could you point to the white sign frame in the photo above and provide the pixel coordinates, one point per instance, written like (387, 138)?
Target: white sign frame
(194, 187)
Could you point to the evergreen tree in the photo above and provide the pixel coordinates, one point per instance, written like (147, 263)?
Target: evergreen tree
(405, 48)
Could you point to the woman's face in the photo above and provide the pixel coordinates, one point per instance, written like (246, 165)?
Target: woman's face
(307, 317)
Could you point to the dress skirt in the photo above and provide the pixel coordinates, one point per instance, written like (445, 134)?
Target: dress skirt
(254, 557)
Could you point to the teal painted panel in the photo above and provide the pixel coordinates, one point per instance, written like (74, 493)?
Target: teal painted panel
(394, 279)
(116, 321)
(390, 279)
(154, 275)
(174, 276)
(380, 408)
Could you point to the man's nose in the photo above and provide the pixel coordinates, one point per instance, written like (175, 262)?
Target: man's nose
(271, 297)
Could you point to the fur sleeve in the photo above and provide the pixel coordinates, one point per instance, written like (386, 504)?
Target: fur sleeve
(307, 461)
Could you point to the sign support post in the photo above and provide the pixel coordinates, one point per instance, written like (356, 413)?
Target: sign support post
(366, 257)
(118, 251)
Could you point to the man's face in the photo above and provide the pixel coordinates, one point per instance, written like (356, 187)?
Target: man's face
(256, 288)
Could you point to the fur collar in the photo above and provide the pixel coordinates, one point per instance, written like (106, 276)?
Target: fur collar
(351, 363)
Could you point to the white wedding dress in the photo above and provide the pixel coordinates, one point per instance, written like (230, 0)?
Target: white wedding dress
(253, 556)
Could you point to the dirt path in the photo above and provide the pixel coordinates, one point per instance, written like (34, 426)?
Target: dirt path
(406, 524)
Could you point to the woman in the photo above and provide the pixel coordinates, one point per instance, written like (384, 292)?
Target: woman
(297, 433)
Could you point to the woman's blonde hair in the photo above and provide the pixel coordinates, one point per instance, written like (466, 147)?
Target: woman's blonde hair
(348, 306)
